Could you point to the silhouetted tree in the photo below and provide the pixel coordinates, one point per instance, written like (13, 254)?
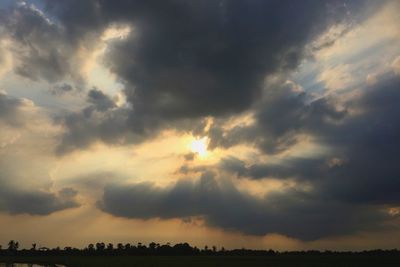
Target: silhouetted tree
(178, 249)
(90, 247)
(110, 246)
(13, 245)
(100, 246)
(152, 246)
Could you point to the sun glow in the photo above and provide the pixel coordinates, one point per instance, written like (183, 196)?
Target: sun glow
(199, 146)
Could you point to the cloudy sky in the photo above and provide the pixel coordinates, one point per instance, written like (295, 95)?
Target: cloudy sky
(260, 124)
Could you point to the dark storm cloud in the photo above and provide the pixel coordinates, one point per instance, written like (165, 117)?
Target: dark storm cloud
(190, 59)
(301, 168)
(17, 201)
(362, 163)
(348, 188)
(293, 213)
(367, 142)
(282, 114)
(182, 60)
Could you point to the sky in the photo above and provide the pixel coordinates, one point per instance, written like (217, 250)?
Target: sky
(258, 124)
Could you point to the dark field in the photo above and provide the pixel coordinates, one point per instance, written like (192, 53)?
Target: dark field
(177, 261)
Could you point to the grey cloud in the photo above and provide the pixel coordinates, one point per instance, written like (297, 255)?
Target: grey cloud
(10, 110)
(361, 166)
(191, 59)
(61, 89)
(100, 101)
(291, 167)
(103, 121)
(8, 107)
(188, 59)
(368, 143)
(114, 126)
(187, 168)
(280, 117)
(293, 213)
(89, 125)
(100, 120)
(234, 165)
(184, 59)
(15, 201)
(40, 48)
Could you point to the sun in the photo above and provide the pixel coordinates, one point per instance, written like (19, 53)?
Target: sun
(199, 146)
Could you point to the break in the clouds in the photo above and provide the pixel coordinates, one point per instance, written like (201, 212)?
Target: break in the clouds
(253, 117)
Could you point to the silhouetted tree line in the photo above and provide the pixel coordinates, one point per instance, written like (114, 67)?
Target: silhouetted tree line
(180, 249)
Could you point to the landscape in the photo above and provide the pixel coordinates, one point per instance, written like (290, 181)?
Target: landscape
(182, 254)
(199, 133)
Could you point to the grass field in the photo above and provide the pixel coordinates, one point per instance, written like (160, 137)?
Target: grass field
(212, 261)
